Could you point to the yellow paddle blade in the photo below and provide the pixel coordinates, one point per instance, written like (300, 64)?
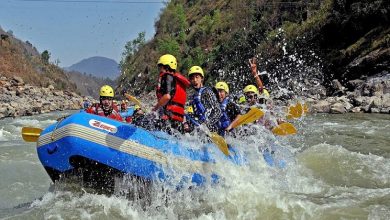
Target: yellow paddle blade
(293, 112)
(220, 142)
(299, 109)
(249, 117)
(305, 109)
(133, 99)
(284, 129)
(31, 134)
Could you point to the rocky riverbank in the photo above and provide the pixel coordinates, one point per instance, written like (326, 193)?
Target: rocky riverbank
(19, 99)
(371, 95)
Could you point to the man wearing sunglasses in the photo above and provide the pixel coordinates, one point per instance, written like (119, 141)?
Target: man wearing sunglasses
(106, 106)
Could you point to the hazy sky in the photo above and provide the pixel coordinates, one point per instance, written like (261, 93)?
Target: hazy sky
(72, 30)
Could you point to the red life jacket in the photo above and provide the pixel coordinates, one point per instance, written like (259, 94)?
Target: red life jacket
(99, 111)
(174, 109)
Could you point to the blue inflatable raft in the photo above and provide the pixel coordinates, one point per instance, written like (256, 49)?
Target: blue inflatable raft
(97, 149)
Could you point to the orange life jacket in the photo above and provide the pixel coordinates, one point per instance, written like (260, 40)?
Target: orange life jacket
(174, 109)
(99, 111)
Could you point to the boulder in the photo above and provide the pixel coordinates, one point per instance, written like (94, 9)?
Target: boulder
(58, 93)
(10, 111)
(362, 101)
(376, 102)
(338, 89)
(3, 110)
(321, 106)
(377, 89)
(338, 108)
(17, 81)
(375, 110)
(37, 109)
(385, 110)
(316, 92)
(355, 85)
(14, 104)
(386, 100)
(356, 109)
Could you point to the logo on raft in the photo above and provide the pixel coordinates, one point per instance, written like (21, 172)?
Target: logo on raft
(103, 126)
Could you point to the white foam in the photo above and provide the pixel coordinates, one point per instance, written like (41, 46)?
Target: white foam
(4, 135)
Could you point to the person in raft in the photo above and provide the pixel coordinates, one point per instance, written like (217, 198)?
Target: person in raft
(171, 95)
(106, 106)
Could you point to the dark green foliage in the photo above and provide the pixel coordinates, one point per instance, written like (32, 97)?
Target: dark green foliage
(222, 35)
(131, 48)
(45, 56)
(168, 45)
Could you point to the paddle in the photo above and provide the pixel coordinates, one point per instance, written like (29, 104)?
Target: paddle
(216, 138)
(284, 129)
(296, 111)
(133, 99)
(31, 134)
(247, 118)
(305, 109)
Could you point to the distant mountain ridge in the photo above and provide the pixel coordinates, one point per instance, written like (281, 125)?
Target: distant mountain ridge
(97, 66)
(89, 85)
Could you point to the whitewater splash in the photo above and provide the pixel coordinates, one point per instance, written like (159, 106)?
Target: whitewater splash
(326, 177)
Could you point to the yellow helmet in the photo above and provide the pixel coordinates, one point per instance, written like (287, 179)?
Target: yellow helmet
(222, 85)
(136, 107)
(266, 93)
(168, 60)
(242, 100)
(196, 69)
(251, 88)
(106, 91)
(190, 110)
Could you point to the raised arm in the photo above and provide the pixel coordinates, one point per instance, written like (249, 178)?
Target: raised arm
(253, 65)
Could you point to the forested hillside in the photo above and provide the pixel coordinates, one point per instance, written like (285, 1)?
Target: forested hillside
(18, 58)
(302, 45)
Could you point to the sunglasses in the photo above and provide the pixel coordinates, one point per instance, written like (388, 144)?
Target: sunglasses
(261, 101)
(106, 98)
(251, 96)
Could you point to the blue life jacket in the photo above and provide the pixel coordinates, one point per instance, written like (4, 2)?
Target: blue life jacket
(197, 105)
(224, 121)
(86, 104)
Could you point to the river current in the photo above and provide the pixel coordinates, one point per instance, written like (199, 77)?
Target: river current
(338, 167)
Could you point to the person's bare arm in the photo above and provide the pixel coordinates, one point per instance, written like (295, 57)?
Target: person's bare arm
(259, 83)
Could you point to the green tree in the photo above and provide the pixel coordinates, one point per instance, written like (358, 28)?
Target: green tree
(131, 48)
(168, 45)
(45, 57)
(127, 63)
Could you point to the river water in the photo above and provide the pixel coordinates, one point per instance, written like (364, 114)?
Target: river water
(338, 167)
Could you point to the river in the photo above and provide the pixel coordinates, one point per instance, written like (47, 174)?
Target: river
(339, 168)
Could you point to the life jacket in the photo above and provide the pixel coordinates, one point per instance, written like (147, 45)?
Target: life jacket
(86, 104)
(99, 111)
(224, 121)
(123, 107)
(197, 105)
(174, 109)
